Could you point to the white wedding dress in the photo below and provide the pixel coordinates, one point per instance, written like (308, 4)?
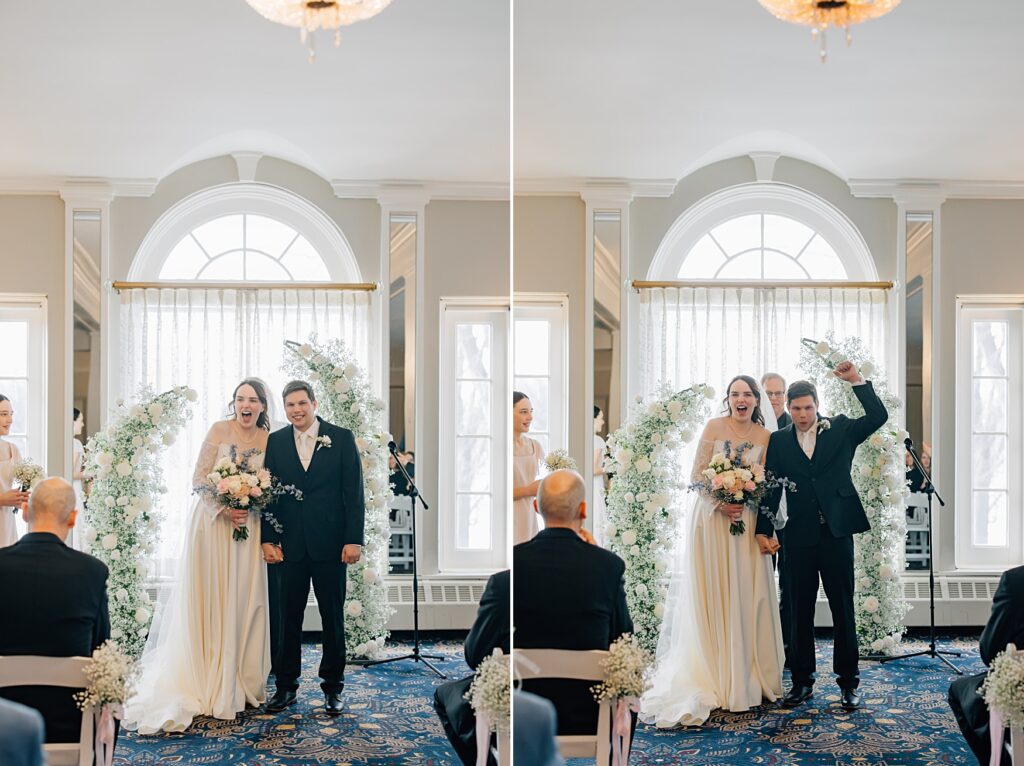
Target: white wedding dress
(209, 650)
(721, 641)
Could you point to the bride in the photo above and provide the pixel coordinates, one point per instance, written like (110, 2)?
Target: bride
(721, 642)
(208, 653)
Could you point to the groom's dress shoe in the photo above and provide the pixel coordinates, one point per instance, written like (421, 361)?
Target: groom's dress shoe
(281, 699)
(797, 696)
(334, 703)
(851, 699)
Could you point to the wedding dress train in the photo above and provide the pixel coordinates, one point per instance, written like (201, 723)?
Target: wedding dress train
(209, 652)
(721, 642)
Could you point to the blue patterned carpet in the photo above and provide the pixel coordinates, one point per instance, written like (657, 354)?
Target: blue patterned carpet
(905, 721)
(389, 719)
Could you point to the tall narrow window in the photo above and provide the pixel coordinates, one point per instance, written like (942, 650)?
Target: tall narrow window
(540, 366)
(23, 375)
(474, 416)
(990, 459)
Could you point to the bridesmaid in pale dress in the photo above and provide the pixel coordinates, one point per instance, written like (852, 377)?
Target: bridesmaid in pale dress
(78, 476)
(600, 514)
(11, 500)
(527, 455)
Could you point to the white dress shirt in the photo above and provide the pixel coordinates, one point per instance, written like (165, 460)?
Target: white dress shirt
(305, 443)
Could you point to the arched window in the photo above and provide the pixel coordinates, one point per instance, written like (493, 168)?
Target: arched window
(762, 246)
(763, 231)
(245, 232)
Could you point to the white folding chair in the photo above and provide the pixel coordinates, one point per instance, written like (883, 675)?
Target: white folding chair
(577, 666)
(1016, 742)
(68, 672)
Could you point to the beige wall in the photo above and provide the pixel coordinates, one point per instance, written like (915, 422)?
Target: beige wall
(466, 254)
(32, 261)
(980, 254)
(550, 257)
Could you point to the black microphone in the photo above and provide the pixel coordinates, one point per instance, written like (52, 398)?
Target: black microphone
(392, 448)
(908, 443)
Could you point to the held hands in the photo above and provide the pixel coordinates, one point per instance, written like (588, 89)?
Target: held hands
(272, 554)
(350, 553)
(848, 371)
(768, 545)
(733, 511)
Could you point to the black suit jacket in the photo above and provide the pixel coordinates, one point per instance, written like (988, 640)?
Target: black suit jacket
(331, 512)
(569, 595)
(55, 605)
(1006, 623)
(784, 420)
(491, 628)
(823, 482)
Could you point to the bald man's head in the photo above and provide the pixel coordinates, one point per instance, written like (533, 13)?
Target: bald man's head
(51, 507)
(561, 499)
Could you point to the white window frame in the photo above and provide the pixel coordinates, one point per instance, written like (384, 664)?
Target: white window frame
(496, 312)
(554, 309)
(968, 555)
(31, 308)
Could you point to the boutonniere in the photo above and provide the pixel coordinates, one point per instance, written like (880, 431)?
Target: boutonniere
(823, 425)
(323, 441)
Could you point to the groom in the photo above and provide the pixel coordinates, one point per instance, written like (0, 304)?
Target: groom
(322, 533)
(825, 512)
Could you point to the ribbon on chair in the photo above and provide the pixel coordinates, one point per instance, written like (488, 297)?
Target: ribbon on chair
(996, 732)
(483, 738)
(105, 734)
(622, 725)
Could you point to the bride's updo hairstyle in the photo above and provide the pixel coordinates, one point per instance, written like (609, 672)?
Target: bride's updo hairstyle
(757, 416)
(263, 421)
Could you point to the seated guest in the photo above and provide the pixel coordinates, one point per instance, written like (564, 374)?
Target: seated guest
(569, 595)
(21, 735)
(1005, 626)
(490, 630)
(774, 387)
(534, 732)
(54, 603)
(396, 479)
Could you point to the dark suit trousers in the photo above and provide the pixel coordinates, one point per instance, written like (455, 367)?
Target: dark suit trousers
(458, 719)
(785, 613)
(831, 560)
(971, 714)
(274, 607)
(328, 578)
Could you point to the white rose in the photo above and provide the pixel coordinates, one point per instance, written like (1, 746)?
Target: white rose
(354, 608)
(369, 576)
(191, 394)
(865, 470)
(836, 357)
(142, 615)
(659, 610)
(656, 438)
(168, 439)
(305, 351)
(121, 594)
(116, 633)
(674, 407)
(109, 542)
(871, 604)
(314, 376)
(686, 436)
(115, 555)
(155, 410)
(629, 497)
(341, 386)
(351, 371)
(623, 457)
(709, 392)
(885, 572)
(865, 582)
(124, 468)
(136, 411)
(90, 535)
(643, 465)
(109, 502)
(354, 409)
(822, 348)
(122, 501)
(866, 369)
(634, 551)
(629, 537)
(104, 459)
(641, 590)
(876, 645)
(120, 401)
(362, 444)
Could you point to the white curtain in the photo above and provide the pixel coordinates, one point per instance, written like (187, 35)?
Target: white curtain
(710, 334)
(210, 339)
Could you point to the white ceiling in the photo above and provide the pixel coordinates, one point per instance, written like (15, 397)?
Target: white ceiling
(130, 89)
(658, 88)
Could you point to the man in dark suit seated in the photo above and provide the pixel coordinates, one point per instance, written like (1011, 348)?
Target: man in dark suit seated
(569, 595)
(54, 603)
(1005, 626)
(490, 630)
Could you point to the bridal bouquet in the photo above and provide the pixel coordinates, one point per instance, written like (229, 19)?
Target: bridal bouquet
(27, 475)
(728, 479)
(1003, 689)
(558, 459)
(236, 484)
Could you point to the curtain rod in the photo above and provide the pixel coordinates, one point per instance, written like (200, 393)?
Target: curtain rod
(640, 284)
(247, 286)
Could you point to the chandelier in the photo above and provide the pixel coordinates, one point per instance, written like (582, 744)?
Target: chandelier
(311, 15)
(819, 15)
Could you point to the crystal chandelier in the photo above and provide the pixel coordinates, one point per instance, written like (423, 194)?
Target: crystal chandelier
(820, 14)
(311, 15)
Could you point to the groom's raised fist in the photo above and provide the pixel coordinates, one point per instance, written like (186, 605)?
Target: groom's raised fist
(848, 371)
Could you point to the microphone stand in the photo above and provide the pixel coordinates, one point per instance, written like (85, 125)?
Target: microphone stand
(932, 650)
(415, 654)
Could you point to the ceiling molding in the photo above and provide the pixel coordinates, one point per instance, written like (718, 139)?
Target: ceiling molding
(593, 188)
(247, 162)
(76, 188)
(913, 190)
(764, 164)
(386, 192)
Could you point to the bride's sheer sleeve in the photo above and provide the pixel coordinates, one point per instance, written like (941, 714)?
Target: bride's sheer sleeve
(705, 451)
(204, 465)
